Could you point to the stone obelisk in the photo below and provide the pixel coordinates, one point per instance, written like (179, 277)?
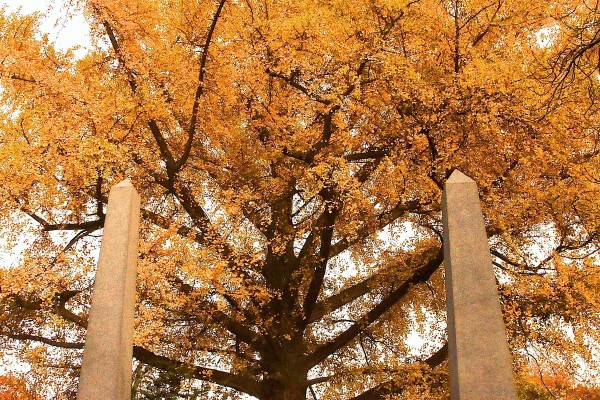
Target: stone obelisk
(479, 357)
(107, 355)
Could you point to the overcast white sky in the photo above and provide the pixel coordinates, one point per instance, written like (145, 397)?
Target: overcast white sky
(65, 31)
(68, 31)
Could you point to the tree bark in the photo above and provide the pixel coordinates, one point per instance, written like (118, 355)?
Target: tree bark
(277, 390)
(286, 378)
(285, 385)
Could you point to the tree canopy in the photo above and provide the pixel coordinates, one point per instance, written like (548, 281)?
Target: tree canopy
(290, 156)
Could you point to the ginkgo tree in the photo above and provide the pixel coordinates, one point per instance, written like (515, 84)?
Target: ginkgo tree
(290, 157)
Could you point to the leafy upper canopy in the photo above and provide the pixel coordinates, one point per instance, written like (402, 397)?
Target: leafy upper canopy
(290, 157)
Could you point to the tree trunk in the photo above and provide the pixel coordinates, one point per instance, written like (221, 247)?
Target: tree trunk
(280, 390)
(286, 379)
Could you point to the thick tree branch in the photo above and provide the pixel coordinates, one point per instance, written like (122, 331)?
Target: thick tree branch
(367, 155)
(433, 361)
(254, 340)
(59, 307)
(235, 381)
(198, 215)
(147, 357)
(16, 77)
(316, 283)
(342, 298)
(41, 339)
(239, 330)
(292, 80)
(389, 275)
(420, 275)
(383, 220)
(199, 90)
(238, 382)
(75, 226)
(438, 357)
(152, 124)
(308, 247)
(383, 390)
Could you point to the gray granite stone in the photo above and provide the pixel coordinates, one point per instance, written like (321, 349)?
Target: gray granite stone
(479, 357)
(107, 356)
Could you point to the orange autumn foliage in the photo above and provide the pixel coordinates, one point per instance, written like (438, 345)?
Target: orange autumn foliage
(14, 388)
(557, 385)
(290, 156)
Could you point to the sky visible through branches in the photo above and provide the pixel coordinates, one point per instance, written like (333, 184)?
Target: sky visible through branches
(71, 31)
(358, 140)
(65, 31)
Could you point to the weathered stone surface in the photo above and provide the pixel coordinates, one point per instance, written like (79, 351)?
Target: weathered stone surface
(480, 361)
(107, 356)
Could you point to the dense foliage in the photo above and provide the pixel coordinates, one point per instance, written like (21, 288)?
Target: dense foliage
(290, 156)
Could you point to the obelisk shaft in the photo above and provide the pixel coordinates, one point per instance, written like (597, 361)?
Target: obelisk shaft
(107, 356)
(479, 358)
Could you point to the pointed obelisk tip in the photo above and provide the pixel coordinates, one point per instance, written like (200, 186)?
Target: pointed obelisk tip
(459, 177)
(124, 183)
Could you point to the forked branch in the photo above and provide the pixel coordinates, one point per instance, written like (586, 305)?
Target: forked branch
(420, 275)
